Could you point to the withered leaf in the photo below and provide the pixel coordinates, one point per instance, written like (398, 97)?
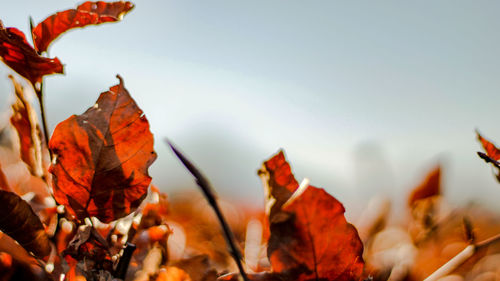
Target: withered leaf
(21, 223)
(312, 240)
(492, 154)
(316, 238)
(431, 186)
(279, 182)
(17, 53)
(25, 122)
(102, 158)
(88, 13)
(4, 184)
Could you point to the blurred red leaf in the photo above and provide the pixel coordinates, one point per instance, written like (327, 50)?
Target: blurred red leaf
(431, 186)
(491, 150)
(88, 13)
(311, 240)
(22, 224)
(25, 122)
(4, 184)
(102, 158)
(492, 154)
(17, 53)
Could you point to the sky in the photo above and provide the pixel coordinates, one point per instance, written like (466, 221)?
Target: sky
(365, 98)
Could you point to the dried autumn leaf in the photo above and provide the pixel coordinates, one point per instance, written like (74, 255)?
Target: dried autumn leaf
(311, 240)
(279, 182)
(431, 186)
(102, 158)
(88, 13)
(492, 154)
(21, 223)
(316, 240)
(25, 122)
(4, 184)
(17, 53)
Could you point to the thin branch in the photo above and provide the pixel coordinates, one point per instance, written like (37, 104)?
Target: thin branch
(122, 267)
(461, 258)
(39, 94)
(207, 189)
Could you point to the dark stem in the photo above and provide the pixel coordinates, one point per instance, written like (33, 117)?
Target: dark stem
(207, 189)
(122, 267)
(39, 94)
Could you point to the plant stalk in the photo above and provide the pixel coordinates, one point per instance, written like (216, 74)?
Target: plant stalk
(39, 94)
(461, 257)
(207, 189)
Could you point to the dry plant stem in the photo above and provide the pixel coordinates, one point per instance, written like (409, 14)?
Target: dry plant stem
(39, 94)
(122, 267)
(207, 189)
(460, 258)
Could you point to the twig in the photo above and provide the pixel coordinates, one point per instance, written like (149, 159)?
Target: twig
(39, 94)
(207, 189)
(122, 267)
(461, 257)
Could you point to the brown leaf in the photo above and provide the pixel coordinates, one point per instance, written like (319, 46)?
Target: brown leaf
(431, 186)
(102, 158)
(22, 224)
(88, 13)
(17, 53)
(312, 239)
(25, 122)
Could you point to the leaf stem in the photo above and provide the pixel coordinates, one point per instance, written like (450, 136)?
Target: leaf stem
(207, 189)
(461, 257)
(122, 267)
(39, 94)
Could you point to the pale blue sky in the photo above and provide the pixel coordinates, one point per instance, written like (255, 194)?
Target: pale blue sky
(232, 81)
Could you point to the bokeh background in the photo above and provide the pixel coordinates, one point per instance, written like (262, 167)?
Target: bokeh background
(364, 97)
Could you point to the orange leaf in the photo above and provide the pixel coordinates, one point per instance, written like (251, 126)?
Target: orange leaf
(492, 154)
(17, 53)
(4, 185)
(431, 186)
(279, 182)
(491, 150)
(172, 273)
(102, 158)
(25, 122)
(22, 224)
(88, 13)
(312, 239)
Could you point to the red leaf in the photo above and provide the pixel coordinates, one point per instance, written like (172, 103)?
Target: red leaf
(102, 158)
(25, 122)
(491, 150)
(311, 240)
(17, 53)
(4, 184)
(22, 224)
(431, 186)
(278, 180)
(88, 13)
